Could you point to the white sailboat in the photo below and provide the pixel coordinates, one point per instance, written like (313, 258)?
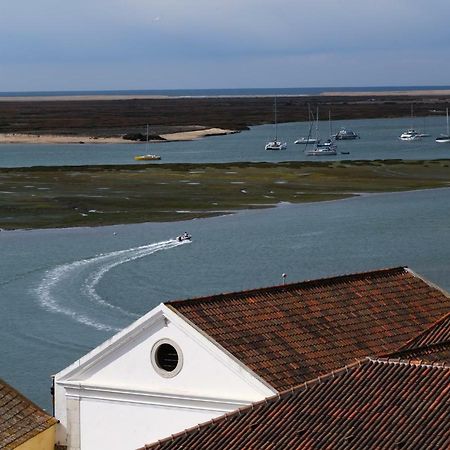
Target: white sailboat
(309, 139)
(147, 157)
(411, 134)
(327, 148)
(275, 144)
(444, 138)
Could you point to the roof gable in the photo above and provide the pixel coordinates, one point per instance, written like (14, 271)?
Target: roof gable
(123, 364)
(20, 418)
(373, 404)
(293, 333)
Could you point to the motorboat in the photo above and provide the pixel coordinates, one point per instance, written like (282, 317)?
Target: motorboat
(147, 157)
(184, 237)
(444, 138)
(275, 144)
(410, 135)
(327, 148)
(345, 135)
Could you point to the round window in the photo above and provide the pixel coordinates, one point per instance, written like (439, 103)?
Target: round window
(167, 358)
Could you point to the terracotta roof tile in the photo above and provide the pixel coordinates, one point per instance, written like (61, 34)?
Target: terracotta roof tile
(20, 418)
(293, 333)
(377, 404)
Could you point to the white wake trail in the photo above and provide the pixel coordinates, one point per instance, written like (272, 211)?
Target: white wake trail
(50, 290)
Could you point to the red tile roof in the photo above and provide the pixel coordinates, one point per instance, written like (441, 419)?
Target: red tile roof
(433, 344)
(377, 404)
(291, 334)
(20, 418)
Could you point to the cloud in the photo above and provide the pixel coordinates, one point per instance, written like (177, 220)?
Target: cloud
(221, 34)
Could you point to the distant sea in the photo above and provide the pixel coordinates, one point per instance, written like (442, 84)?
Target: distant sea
(223, 92)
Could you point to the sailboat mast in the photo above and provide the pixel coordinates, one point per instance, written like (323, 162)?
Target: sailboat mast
(448, 131)
(276, 123)
(329, 120)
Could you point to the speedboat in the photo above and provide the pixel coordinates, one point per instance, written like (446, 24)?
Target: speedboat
(276, 145)
(345, 135)
(184, 237)
(410, 135)
(147, 157)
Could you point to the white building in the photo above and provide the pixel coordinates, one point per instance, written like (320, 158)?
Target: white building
(187, 362)
(120, 395)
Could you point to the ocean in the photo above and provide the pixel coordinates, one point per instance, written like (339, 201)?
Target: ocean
(223, 92)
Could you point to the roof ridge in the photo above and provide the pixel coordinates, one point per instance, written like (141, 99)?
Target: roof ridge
(422, 334)
(410, 362)
(326, 281)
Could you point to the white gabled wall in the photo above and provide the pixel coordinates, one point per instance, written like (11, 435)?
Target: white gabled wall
(123, 401)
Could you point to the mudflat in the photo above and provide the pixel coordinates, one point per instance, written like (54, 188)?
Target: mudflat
(52, 197)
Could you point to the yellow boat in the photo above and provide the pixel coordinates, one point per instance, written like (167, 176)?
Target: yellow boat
(147, 157)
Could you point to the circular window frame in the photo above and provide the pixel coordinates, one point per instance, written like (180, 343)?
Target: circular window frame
(159, 370)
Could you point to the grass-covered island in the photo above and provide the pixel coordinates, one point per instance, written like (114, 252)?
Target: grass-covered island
(50, 197)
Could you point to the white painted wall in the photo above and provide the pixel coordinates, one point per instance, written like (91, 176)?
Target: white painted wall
(125, 403)
(125, 426)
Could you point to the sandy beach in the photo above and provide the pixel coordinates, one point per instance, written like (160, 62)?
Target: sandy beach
(22, 138)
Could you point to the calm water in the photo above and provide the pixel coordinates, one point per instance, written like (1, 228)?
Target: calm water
(379, 140)
(225, 92)
(62, 292)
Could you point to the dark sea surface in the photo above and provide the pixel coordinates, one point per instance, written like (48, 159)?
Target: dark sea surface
(62, 292)
(379, 140)
(224, 92)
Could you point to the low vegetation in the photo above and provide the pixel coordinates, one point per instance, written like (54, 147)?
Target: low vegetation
(47, 197)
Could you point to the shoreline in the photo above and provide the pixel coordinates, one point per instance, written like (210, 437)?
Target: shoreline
(24, 138)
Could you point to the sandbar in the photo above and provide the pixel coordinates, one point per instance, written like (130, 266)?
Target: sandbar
(24, 138)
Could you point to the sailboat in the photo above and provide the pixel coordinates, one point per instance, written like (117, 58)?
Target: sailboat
(147, 157)
(326, 148)
(411, 134)
(275, 144)
(308, 139)
(444, 138)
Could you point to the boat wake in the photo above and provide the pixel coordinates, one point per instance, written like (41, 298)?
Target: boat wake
(70, 289)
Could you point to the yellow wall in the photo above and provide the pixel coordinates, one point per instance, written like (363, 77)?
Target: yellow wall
(42, 441)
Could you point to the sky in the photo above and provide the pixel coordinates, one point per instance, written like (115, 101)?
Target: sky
(50, 45)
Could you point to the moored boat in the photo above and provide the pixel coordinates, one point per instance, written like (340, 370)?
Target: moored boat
(345, 135)
(275, 144)
(323, 149)
(444, 138)
(147, 157)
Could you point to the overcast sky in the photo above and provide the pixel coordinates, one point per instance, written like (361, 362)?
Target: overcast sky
(176, 44)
